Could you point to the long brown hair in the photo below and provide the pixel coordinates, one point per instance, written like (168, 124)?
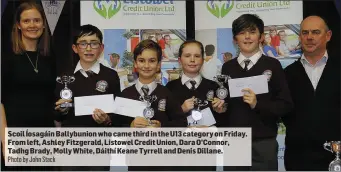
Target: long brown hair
(44, 41)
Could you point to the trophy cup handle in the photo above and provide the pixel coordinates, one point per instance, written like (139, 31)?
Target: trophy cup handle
(205, 103)
(59, 80)
(154, 98)
(326, 145)
(226, 78)
(72, 79)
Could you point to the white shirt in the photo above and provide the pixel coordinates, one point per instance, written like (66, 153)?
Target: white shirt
(253, 59)
(151, 87)
(94, 68)
(211, 68)
(186, 80)
(314, 72)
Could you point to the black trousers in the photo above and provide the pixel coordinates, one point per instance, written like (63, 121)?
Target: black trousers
(264, 157)
(303, 159)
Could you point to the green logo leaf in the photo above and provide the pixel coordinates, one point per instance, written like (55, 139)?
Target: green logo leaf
(213, 10)
(219, 8)
(226, 9)
(101, 7)
(113, 11)
(102, 11)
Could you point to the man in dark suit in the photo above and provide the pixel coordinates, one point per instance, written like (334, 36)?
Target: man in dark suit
(314, 83)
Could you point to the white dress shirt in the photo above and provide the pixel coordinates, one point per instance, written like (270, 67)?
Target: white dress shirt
(95, 68)
(253, 59)
(152, 86)
(185, 80)
(314, 72)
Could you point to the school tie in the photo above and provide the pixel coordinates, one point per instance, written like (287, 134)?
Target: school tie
(246, 62)
(145, 89)
(89, 73)
(193, 84)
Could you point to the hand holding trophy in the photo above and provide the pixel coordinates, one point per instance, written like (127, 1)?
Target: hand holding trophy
(221, 92)
(218, 105)
(335, 147)
(148, 113)
(60, 102)
(64, 103)
(141, 122)
(66, 93)
(188, 105)
(196, 112)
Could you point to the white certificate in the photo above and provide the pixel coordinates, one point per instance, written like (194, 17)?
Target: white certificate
(207, 118)
(129, 107)
(258, 84)
(87, 104)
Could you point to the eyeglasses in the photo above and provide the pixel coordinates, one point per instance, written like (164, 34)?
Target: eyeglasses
(93, 45)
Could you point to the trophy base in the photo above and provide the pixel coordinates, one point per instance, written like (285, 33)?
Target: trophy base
(196, 115)
(66, 105)
(335, 165)
(222, 93)
(148, 113)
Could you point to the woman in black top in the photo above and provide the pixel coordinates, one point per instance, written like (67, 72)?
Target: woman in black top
(27, 73)
(2, 130)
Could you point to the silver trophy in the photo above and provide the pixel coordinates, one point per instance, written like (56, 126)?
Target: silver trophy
(196, 112)
(148, 112)
(221, 92)
(65, 93)
(334, 147)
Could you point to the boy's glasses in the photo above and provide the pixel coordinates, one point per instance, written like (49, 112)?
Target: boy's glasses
(93, 45)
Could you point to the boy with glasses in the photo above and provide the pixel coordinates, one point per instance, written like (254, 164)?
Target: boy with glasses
(91, 78)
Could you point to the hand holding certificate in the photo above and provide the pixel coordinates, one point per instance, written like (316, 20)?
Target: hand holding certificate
(258, 84)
